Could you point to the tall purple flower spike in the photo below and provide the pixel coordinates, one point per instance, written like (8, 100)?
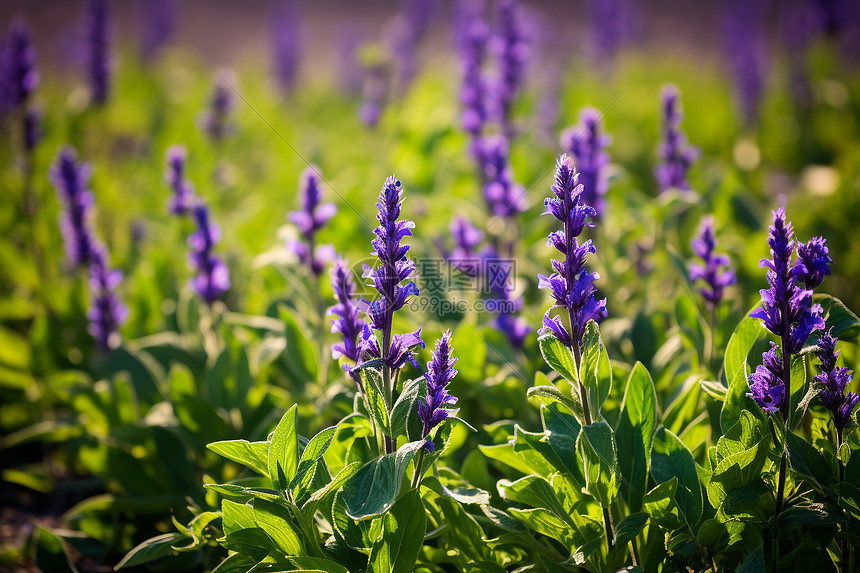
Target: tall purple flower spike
(511, 46)
(833, 381)
(183, 199)
(475, 34)
(587, 144)
(98, 51)
(106, 313)
(19, 70)
(767, 383)
(157, 22)
(786, 310)
(504, 197)
(393, 269)
(285, 33)
(406, 33)
(346, 321)
(609, 23)
(215, 120)
(744, 41)
(440, 371)
(571, 285)
(70, 180)
(675, 154)
(213, 277)
(715, 279)
(309, 219)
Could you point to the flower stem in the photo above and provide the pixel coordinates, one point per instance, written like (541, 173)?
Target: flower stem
(416, 479)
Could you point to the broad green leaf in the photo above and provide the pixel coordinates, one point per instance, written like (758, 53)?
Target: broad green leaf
(635, 434)
(375, 394)
(374, 488)
(464, 529)
(236, 516)
(536, 492)
(303, 565)
(597, 447)
(551, 395)
(741, 455)
(811, 515)
(845, 323)
(524, 461)
(334, 485)
(562, 431)
(745, 336)
(594, 370)
(50, 553)
(251, 454)
(405, 420)
(804, 459)
(671, 458)
(403, 529)
(151, 549)
(660, 504)
(277, 522)
(690, 322)
(558, 357)
(284, 450)
(312, 453)
(300, 353)
(630, 527)
(754, 563)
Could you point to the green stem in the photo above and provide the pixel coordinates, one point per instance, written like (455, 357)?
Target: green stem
(416, 479)
(842, 548)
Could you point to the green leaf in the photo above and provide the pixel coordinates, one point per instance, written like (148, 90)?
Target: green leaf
(558, 357)
(811, 515)
(845, 324)
(536, 492)
(251, 454)
(405, 420)
(373, 489)
(551, 395)
(403, 529)
(741, 455)
(635, 435)
(562, 431)
(594, 370)
(301, 353)
(671, 458)
(630, 527)
(743, 339)
(284, 450)
(334, 485)
(754, 563)
(312, 453)
(690, 322)
(236, 516)
(804, 459)
(304, 565)
(660, 504)
(277, 522)
(596, 445)
(50, 555)
(375, 394)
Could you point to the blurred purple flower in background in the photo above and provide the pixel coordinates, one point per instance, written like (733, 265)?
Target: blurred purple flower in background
(346, 321)
(504, 197)
(833, 381)
(440, 371)
(745, 47)
(213, 277)
(286, 42)
(586, 142)
(406, 33)
(474, 35)
(215, 120)
(106, 313)
(70, 180)
(19, 66)
(510, 45)
(715, 279)
(610, 24)
(32, 129)
(571, 285)
(183, 199)
(157, 22)
(98, 51)
(675, 153)
(309, 219)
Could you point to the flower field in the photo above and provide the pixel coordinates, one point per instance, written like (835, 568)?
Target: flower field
(483, 287)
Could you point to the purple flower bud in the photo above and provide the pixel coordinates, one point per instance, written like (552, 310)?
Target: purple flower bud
(833, 381)
(215, 120)
(182, 200)
(767, 383)
(106, 314)
(571, 285)
(346, 321)
(156, 26)
(440, 371)
(98, 51)
(587, 144)
(813, 262)
(70, 180)
(310, 218)
(213, 277)
(675, 153)
(20, 66)
(285, 32)
(715, 280)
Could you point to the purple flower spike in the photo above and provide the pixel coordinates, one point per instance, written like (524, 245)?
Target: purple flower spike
(608, 25)
(20, 66)
(440, 371)
(156, 26)
(70, 180)
(767, 383)
(309, 219)
(786, 310)
(571, 285)
(587, 144)
(512, 51)
(715, 280)
(215, 120)
(813, 262)
(106, 313)
(504, 197)
(213, 277)
(676, 154)
(393, 269)
(285, 33)
(346, 321)
(833, 381)
(744, 40)
(98, 54)
(473, 92)
(182, 200)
